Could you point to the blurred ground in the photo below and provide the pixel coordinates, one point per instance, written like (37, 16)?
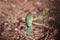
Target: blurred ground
(12, 20)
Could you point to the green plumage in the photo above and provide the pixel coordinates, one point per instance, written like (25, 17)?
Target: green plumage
(28, 19)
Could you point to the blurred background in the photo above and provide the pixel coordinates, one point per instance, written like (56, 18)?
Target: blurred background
(45, 24)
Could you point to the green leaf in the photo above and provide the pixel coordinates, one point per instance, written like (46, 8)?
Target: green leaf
(29, 19)
(28, 30)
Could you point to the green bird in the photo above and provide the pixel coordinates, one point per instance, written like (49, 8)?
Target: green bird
(28, 19)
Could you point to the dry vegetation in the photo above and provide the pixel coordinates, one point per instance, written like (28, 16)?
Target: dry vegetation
(12, 20)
